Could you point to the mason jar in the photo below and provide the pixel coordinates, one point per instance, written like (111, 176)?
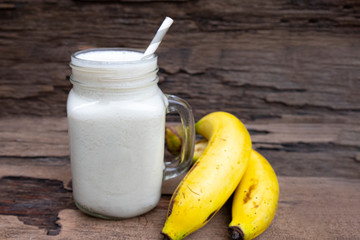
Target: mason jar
(116, 116)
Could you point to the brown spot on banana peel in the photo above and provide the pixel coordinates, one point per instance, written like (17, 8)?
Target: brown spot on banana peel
(236, 233)
(247, 197)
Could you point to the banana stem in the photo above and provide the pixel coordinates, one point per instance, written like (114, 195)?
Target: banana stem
(236, 233)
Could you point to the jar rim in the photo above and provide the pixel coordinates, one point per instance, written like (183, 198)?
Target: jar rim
(81, 62)
(88, 70)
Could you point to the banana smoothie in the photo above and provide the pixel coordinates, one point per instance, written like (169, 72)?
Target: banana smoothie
(116, 114)
(116, 130)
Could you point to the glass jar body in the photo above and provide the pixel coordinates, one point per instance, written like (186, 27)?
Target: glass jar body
(117, 149)
(116, 116)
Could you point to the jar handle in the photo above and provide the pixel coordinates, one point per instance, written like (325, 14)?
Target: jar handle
(184, 159)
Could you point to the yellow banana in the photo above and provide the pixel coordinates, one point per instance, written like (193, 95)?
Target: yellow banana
(255, 199)
(200, 146)
(213, 178)
(173, 138)
(251, 218)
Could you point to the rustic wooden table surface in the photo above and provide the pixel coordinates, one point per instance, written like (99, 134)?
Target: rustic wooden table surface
(290, 70)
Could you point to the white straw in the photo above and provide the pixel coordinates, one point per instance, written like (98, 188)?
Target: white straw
(158, 37)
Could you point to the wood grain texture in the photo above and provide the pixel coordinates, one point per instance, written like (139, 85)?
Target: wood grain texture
(35, 184)
(35, 201)
(289, 69)
(309, 208)
(31, 144)
(257, 59)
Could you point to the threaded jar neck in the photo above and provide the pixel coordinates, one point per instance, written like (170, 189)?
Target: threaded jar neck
(113, 68)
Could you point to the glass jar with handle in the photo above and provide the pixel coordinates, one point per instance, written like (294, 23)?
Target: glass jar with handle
(116, 115)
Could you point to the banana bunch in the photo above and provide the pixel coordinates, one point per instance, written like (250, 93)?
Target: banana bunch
(213, 178)
(224, 163)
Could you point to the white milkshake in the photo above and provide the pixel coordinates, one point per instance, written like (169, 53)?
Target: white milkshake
(116, 115)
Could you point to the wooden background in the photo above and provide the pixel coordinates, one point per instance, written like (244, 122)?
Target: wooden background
(289, 69)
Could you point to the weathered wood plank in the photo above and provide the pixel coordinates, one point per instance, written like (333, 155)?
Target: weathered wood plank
(35, 179)
(43, 168)
(34, 137)
(289, 69)
(257, 59)
(36, 201)
(309, 208)
(294, 149)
